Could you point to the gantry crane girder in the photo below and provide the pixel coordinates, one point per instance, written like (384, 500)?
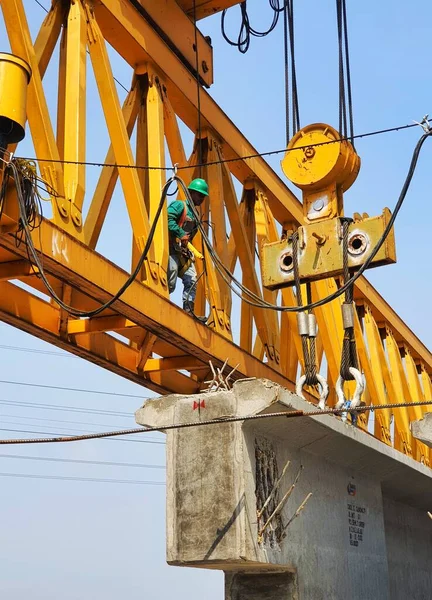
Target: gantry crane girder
(143, 336)
(206, 8)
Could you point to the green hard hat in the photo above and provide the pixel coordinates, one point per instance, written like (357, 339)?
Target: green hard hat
(199, 185)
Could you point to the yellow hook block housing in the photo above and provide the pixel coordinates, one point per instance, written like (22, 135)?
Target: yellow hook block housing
(323, 167)
(15, 75)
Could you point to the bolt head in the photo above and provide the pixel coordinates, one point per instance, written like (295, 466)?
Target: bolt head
(318, 204)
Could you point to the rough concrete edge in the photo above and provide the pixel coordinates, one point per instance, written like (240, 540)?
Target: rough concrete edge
(422, 429)
(236, 565)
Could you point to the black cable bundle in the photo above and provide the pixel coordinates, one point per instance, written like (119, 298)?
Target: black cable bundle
(246, 30)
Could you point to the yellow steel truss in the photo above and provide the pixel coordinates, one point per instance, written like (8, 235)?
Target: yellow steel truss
(155, 343)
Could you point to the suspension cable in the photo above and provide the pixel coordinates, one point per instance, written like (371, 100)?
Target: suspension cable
(346, 119)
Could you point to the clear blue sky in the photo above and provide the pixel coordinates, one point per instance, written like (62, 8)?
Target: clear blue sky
(83, 540)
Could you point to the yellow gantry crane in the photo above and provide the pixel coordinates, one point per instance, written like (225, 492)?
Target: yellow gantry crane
(156, 344)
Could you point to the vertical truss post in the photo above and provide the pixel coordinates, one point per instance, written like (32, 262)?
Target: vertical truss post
(246, 317)
(109, 175)
(61, 95)
(218, 224)
(118, 133)
(48, 35)
(414, 387)
(37, 110)
(247, 262)
(156, 179)
(289, 343)
(75, 111)
(401, 415)
(377, 365)
(265, 230)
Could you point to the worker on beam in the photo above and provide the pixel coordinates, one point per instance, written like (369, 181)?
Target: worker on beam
(182, 226)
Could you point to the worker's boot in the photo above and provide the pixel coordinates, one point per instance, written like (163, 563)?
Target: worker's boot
(189, 307)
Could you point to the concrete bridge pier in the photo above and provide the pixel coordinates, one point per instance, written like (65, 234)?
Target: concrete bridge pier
(234, 491)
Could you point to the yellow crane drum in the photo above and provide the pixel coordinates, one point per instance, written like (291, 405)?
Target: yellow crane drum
(317, 158)
(15, 75)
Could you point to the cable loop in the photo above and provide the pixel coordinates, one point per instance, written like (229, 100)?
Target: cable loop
(324, 389)
(356, 399)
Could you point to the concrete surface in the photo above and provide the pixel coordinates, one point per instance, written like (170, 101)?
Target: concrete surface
(422, 430)
(363, 534)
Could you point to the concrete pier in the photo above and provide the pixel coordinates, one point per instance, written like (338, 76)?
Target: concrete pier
(363, 533)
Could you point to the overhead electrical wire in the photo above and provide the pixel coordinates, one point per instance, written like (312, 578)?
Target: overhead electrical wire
(43, 406)
(38, 351)
(86, 479)
(45, 420)
(105, 463)
(69, 389)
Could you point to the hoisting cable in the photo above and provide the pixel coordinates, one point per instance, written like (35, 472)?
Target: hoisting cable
(349, 367)
(346, 119)
(290, 72)
(308, 331)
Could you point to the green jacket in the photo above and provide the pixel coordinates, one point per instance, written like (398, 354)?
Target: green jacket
(175, 212)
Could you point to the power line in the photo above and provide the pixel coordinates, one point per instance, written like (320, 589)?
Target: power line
(2, 416)
(81, 462)
(41, 406)
(69, 389)
(218, 421)
(87, 479)
(223, 160)
(37, 351)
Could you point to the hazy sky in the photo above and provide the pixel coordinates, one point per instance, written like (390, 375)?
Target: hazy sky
(74, 539)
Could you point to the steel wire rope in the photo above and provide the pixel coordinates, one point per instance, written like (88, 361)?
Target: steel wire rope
(346, 119)
(223, 160)
(216, 421)
(86, 436)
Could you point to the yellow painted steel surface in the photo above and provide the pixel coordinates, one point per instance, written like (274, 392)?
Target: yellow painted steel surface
(15, 74)
(322, 167)
(161, 347)
(320, 252)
